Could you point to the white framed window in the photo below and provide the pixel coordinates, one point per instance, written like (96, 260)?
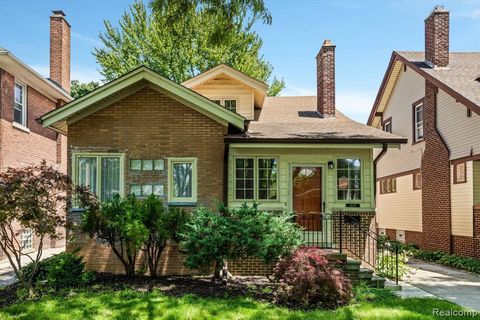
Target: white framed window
(349, 179)
(101, 173)
(418, 122)
(26, 239)
(182, 180)
(230, 104)
(20, 104)
(256, 178)
(387, 125)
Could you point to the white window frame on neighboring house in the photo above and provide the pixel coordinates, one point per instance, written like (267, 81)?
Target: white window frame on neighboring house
(26, 239)
(418, 123)
(20, 105)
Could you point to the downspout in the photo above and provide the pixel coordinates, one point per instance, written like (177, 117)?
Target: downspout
(225, 173)
(375, 162)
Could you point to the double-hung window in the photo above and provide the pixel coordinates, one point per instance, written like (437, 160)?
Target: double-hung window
(20, 104)
(182, 182)
(256, 178)
(418, 122)
(349, 179)
(102, 174)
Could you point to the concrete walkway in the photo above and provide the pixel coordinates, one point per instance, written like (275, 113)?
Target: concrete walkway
(460, 287)
(7, 276)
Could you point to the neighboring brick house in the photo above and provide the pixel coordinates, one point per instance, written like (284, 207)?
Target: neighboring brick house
(428, 192)
(24, 96)
(217, 137)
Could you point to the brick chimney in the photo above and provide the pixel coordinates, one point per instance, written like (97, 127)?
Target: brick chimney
(60, 50)
(326, 80)
(436, 37)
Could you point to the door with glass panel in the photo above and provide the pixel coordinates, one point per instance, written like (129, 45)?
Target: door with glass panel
(307, 197)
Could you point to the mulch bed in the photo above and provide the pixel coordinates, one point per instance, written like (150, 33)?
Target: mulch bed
(259, 288)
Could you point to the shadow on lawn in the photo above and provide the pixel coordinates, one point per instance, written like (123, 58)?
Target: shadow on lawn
(155, 305)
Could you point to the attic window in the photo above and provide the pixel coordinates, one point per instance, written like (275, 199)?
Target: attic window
(230, 104)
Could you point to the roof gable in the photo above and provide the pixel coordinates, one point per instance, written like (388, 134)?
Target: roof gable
(222, 70)
(457, 80)
(127, 84)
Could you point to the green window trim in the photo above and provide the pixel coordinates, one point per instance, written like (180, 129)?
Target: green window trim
(362, 180)
(256, 178)
(171, 196)
(98, 175)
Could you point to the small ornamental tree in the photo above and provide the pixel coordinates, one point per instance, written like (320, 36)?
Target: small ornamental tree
(163, 224)
(118, 222)
(308, 278)
(34, 198)
(212, 238)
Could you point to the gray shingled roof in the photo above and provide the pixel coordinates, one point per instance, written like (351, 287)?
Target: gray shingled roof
(460, 75)
(296, 118)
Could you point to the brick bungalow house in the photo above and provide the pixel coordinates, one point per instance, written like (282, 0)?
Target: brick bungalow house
(218, 137)
(24, 96)
(429, 189)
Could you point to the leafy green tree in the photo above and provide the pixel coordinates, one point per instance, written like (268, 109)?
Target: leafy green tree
(212, 238)
(184, 47)
(118, 222)
(78, 89)
(32, 198)
(163, 225)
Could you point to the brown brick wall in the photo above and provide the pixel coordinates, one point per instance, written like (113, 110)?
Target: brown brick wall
(437, 37)
(250, 267)
(60, 51)
(476, 230)
(326, 80)
(391, 234)
(436, 197)
(150, 125)
(413, 237)
(21, 148)
(463, 246)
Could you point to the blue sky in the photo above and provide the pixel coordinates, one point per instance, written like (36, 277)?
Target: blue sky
(365, 33)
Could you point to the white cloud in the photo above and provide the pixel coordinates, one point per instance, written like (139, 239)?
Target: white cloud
(83, 38)
(298, 91)
(356, 104)
(83, 74)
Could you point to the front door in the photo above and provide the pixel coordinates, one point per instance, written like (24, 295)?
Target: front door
(307, 197)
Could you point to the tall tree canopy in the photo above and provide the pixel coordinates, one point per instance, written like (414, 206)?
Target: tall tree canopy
(78, 89)
(184, 47)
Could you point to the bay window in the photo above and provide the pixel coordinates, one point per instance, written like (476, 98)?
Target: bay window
(102, 174)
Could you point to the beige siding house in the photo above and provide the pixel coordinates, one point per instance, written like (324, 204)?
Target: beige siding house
(428, 191)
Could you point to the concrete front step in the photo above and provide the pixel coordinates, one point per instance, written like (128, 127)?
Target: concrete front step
(355, 271)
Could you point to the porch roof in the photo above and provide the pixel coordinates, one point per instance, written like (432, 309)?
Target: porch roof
(295, 119)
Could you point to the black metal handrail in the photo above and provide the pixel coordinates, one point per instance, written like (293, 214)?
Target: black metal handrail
(346, 233)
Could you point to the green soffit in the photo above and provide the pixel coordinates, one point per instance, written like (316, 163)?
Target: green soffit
(89, 103)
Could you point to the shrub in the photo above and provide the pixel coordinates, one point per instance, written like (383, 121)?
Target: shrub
(118, 222)
(163, 224)
(309, 279)
(63, 270)
(451, 260)
(386, 264)
(211, 238)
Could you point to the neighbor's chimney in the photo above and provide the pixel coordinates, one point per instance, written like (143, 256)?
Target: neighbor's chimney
(436, 37)
(60, 50)
(326, 80)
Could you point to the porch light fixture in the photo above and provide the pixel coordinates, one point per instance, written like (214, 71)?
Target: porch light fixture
(331, 165)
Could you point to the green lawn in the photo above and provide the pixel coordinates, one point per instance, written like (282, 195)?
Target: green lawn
(142, 305)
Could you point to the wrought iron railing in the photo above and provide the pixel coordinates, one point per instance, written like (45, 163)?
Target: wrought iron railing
(352, 235)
